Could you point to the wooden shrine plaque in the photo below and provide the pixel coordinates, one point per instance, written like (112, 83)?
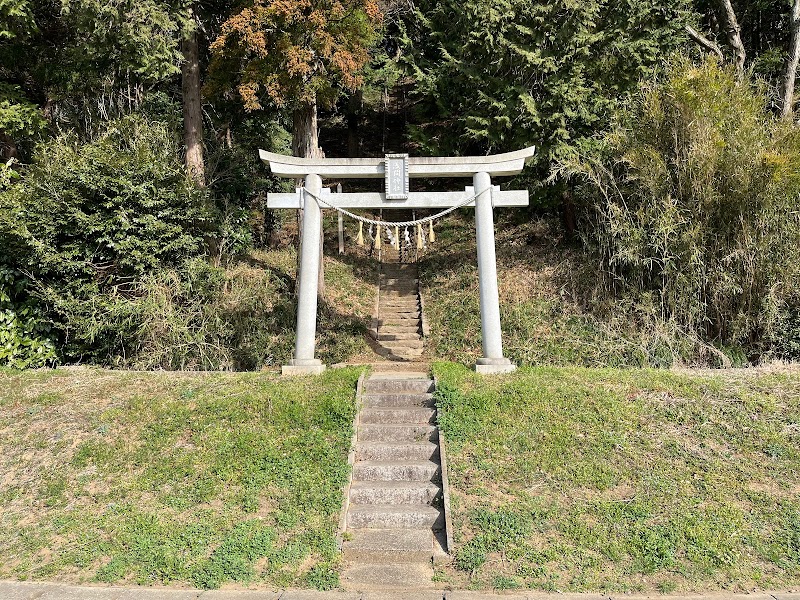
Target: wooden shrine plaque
(396, 169)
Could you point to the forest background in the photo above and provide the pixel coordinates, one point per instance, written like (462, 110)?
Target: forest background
(133, 228)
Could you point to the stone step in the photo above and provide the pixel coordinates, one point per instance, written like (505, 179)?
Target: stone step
(395, 471)
(397, 580)
(403, 345)
(397, 337)
(386, 280)
(402, 358)
(390, 545)
(397, 285)
(397, 433)
(398, 321)
(397, 400)
(375, 385)
(398, 415)
(397, 451)
(411, 333)
(387, 516)
(413, 327)
(408, 355)
(394, 492)
(399, 311)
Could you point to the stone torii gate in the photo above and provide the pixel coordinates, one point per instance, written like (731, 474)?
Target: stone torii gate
(396, 169)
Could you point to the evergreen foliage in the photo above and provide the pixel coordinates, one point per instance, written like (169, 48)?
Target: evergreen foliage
(506, 74)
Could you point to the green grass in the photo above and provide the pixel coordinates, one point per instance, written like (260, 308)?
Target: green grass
(164, 479)
(578, 479)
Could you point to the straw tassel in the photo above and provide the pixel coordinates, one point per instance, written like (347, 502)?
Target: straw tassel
(396, 237)
(360, 236)
(378, 239)
(431, 234)
(419, 236)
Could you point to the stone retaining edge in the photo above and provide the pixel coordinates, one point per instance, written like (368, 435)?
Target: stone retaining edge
(351, 459)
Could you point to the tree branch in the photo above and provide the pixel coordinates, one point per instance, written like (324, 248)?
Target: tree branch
(704, 41)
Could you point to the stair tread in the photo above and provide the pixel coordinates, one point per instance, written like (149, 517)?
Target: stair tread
(394, 539)
(397, 463)
(391, 401)
(423, 413)
(377, 450)
(402, 484)
(395, 509)
(394, 408)
(411, 394)
(399, 444)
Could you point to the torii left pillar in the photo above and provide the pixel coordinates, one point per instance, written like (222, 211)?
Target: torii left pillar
(304, 362)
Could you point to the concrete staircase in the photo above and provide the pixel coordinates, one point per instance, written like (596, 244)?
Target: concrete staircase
(398, 324)
(395, 522)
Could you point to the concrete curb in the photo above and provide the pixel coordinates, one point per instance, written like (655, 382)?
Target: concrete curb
(448, 517)
(13, 590)
(351, 460)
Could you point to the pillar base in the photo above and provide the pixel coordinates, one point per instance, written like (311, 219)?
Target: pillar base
(494, 366)
(303, 367)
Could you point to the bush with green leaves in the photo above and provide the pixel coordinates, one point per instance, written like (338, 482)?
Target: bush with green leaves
(89, 220)
(692, 208)
(24, 335)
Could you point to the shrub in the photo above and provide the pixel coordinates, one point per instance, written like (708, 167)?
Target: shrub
(89, 220)
(692, 205)
(24, 335)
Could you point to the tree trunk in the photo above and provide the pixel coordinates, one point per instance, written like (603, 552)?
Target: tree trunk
(192, 108)
(305, 144)
(8, 147)
(732, 31)
(305, 132)
(353, 120)
(568, 211)
(787, 86)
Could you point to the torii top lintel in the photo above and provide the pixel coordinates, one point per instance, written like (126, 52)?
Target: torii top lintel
(510, 163)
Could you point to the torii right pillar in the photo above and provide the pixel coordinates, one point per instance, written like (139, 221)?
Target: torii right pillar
(493, 360)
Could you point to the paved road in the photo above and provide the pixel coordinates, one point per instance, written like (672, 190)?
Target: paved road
(11, 590)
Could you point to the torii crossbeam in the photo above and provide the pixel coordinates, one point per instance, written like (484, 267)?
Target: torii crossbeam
(396, 169)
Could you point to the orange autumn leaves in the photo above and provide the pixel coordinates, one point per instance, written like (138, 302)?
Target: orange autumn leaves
(293, 52)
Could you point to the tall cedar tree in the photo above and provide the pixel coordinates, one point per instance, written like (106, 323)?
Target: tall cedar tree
(503, 74)
(296, 55)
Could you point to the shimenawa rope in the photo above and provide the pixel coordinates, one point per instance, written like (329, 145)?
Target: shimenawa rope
(421, 221)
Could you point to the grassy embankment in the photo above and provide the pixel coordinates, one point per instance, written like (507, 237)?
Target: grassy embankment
(550, 309)
(623, 480)
(173, 478)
